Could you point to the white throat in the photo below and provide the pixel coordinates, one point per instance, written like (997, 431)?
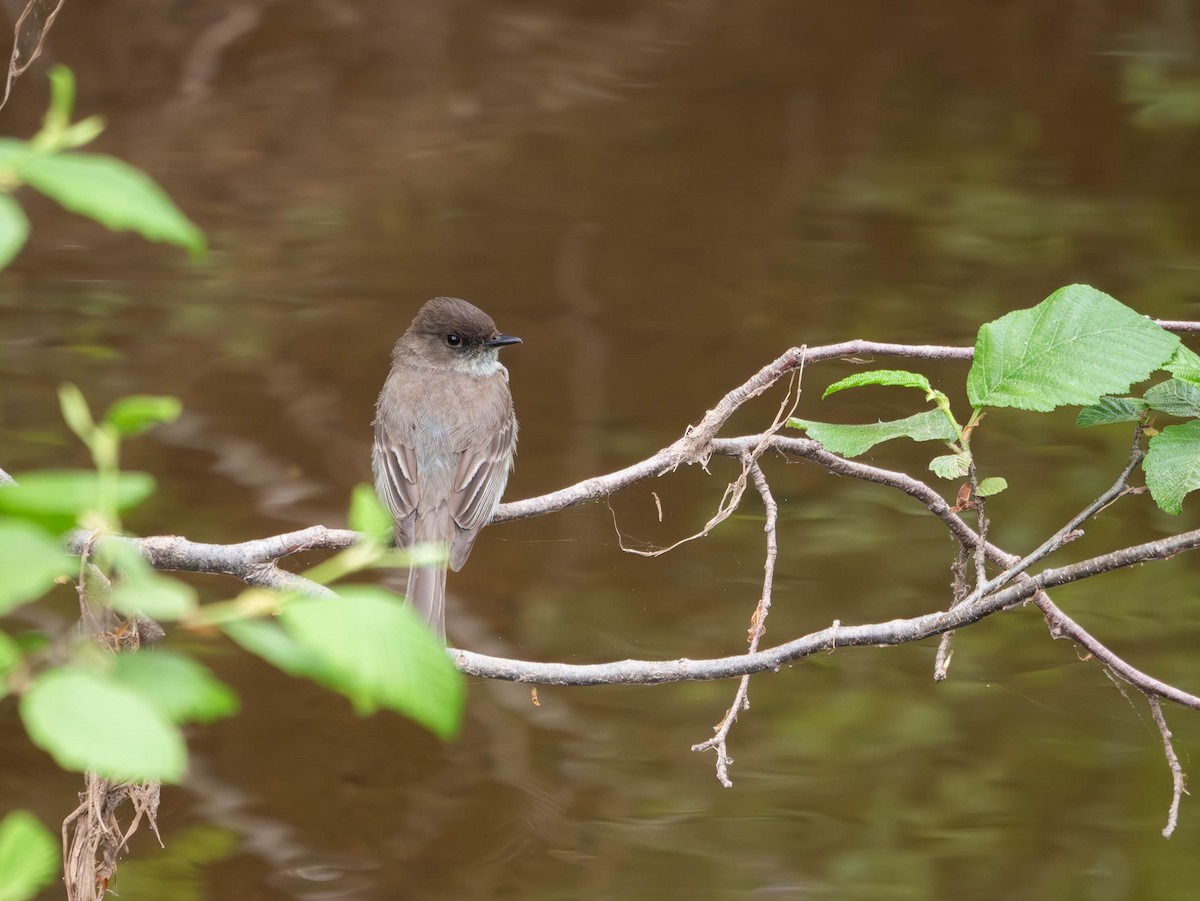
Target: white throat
(480, 365)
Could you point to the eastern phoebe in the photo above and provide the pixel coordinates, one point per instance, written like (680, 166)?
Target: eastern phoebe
(445, 435)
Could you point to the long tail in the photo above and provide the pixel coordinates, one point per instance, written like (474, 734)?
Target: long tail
(427, 594)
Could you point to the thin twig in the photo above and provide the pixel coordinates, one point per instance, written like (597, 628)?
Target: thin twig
(741, 699)
(1178, 779)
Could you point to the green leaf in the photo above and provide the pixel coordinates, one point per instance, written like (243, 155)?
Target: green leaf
(182, 689)
(852, 440)
(75, 412)
(114, 194)
(379, 653)
(29, 856)
(30, 561)
(140, 589)
(897, 377)
(89, 721)
(1110, 410)
(13, 151)
(951, 466)
(10, 657)
(14, 228)
(1184, 364)
(156, 596)
(56, 498)
(1175, 397)
(992, 485)
(367, 515)
(134, 414)
(266, 640)
(1172, 465)
(1074, 347)
(62, 93)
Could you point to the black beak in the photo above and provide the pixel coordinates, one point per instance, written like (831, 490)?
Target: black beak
(502, 340)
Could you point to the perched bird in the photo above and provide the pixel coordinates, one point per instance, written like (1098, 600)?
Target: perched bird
(445, 436)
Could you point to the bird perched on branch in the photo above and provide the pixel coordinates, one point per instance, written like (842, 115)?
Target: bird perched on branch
(445, 437)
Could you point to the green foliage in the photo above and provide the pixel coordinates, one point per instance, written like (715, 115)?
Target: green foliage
(990, 486)
(88, 720)
(59, 498)
(139, 590)
(131, 416)
(896, 377)
(14, 229)
(29, 856)
(377, 652)
(852, 440)
(1184, 364)
(1172, 465)
(99, 187)
(1074, 347)
(1109, 410)
(367, 515)
(183, 690)
(113, 193)
(951, 466)
(1078, 346)
(31, 560)
(1175, 397)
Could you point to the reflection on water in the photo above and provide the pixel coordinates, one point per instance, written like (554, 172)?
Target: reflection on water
(659, 198)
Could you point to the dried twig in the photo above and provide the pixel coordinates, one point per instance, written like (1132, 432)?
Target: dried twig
(741, 699)
(1178, 779)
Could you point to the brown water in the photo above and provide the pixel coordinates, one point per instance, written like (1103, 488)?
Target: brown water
(659, 198)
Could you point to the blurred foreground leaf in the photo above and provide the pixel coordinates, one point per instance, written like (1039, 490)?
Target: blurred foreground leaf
(89, 721)
(29, 856)
(182, 689)
(376, 651)
(30, 561)
(114, 194)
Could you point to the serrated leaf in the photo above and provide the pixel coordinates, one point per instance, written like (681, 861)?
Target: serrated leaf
(134, 414)
(991, 485)
(113, 193)
(30, 561)
(1184, 364)
(1074, 347)
(14, 228)
(56, 498)
(1175, 397)
(182, 689)
(951, 466)
(894, 377)
(1172, 465)
(1110, 410)
(852, 440)
(89, 721)
(29, 856)
(378, 653)
(367, 515)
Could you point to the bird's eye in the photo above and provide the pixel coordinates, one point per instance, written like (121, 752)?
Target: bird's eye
(454, 340)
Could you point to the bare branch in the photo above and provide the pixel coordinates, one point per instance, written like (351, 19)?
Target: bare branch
(741, 699)
(1178, 779)
(887, 634)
